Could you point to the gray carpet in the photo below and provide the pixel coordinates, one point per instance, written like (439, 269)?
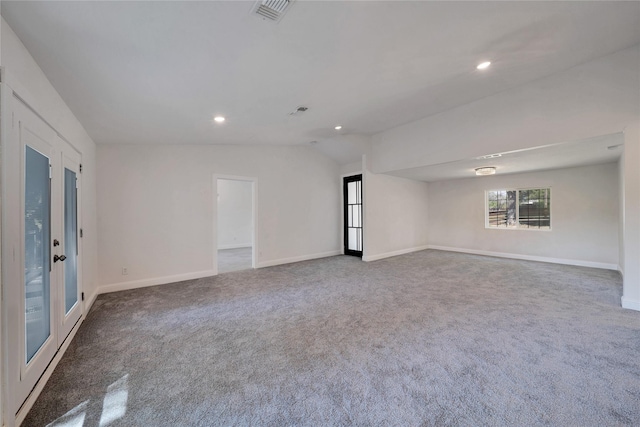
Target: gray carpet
(234, 259)
(429, 338)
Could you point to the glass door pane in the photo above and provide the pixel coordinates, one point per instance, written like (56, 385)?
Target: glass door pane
(37, 216)
(70, 241)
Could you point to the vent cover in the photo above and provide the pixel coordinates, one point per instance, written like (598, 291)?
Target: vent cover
(273, 10)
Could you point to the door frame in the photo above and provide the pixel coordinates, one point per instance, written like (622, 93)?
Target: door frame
(254, 216)
(343, 222)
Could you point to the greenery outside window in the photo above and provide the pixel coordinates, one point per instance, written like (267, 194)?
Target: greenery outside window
(519, 209)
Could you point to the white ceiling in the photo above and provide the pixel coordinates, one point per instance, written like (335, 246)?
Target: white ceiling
(156, 72)
(600, 149)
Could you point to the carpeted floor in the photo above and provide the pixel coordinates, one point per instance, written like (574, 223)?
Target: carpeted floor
(428, 338)
(234, 259)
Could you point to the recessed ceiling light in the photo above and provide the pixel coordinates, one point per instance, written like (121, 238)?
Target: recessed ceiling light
(486, 171)
(219, 119)
(483, 65)
(338, 127)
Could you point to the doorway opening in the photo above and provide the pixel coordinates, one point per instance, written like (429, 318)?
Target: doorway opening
(352, 192)
(235, 237)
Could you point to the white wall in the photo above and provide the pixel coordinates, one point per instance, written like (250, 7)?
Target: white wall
(235, 213)
(395, 215)
(631, 217)
(156, 208)
(351, 168)
(584, 215)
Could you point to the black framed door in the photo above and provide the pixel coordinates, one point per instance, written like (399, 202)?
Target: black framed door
(352, 191)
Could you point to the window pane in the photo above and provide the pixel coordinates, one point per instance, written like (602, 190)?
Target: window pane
(352, 193)
(353, 239)
(70, 240)
(37, 261)
(535, 208)
(356, 216)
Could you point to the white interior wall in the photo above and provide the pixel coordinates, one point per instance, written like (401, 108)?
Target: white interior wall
(631, 217)
(395, 215)
(156, 208)
(584, 215)
(621, 209)
(235, 213)
(351, 168)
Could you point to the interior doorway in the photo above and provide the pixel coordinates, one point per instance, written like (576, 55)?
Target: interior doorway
(235, 237)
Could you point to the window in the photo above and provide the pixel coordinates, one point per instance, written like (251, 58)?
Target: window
(514, 209)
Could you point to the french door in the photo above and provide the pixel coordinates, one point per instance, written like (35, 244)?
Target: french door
(43, 282)
(352, 191)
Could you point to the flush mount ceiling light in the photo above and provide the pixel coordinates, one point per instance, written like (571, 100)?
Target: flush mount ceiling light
(219, 119)
(489, 156)
(338, 127)
(486, 171)
(483, 65)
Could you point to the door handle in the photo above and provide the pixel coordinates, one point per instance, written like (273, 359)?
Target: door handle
(59, 258)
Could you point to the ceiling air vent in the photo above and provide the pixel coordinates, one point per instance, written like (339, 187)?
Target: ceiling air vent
(273, 10)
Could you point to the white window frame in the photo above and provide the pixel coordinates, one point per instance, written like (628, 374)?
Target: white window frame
(517, 226)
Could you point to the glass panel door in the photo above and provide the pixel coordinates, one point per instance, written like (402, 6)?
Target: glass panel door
(69, 307)
(32, 324)
(352, 189)
(37, 222)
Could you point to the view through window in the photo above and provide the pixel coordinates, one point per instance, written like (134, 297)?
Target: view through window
(511, 209)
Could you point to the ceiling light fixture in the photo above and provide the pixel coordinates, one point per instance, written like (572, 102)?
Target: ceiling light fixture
(489, 156)
(219, 119)
(338, 127)
(483, 65)
(486, 171)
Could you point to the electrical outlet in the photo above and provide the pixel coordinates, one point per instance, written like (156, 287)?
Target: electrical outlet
(125, 271)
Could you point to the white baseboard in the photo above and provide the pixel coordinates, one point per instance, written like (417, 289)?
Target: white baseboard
(90, 302)
(369, 258)
(580, 263)
(630, 304)
(620, 270)
(244, 245)
(143, 283)
(297, 259)
(33, 396)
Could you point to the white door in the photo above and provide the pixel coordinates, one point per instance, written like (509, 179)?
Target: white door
(69, 306)
(40, 231)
